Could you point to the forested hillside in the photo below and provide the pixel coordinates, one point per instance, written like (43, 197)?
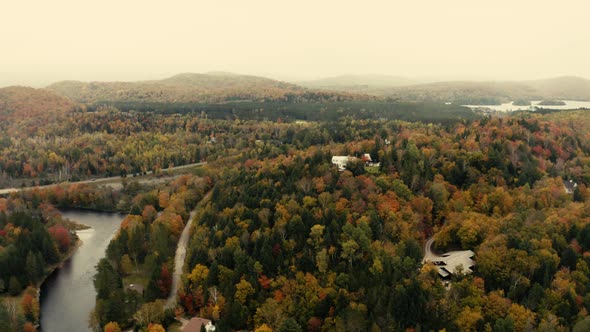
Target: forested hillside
(203, 88)
(286, 242)
(190, 90)
(290, 242)
(91, 141)
(465, 92)
(25, 112)
(23, 102)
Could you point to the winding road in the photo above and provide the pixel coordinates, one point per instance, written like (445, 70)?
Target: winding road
(429, 256)
(181, 254)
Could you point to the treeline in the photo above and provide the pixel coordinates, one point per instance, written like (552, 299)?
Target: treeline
(108, 142)
(33, 239)
(308, 111)
(104, 143)
(91, 196)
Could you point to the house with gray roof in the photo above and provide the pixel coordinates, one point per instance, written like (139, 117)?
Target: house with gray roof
(453, 262)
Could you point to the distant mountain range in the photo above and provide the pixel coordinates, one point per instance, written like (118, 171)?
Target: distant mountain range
(215, 87)
(463, 92)
(360, 83)
(220, 87)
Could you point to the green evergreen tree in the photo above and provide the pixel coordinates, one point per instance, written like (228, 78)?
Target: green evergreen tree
(14, 286)
(290, 325)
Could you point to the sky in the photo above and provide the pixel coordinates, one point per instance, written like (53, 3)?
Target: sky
(124, 40)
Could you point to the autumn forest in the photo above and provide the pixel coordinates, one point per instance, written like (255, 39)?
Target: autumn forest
(281, 239)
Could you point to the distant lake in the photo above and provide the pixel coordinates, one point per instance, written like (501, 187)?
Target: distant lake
(68, 295)
(508, 107)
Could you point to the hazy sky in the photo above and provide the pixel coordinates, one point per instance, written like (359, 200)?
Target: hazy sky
(45, 41)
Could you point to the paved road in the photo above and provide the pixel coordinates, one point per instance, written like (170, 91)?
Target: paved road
(181, 254)
(113, 179)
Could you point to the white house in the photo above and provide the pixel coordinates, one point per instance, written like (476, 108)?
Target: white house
(341, 161)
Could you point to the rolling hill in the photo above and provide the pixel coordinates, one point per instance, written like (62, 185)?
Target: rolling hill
(195, 88)
(26, 111)
(465, 92)
(25, 102)
(462, 92)
(565, 87)
(221, 87)
(360, 83)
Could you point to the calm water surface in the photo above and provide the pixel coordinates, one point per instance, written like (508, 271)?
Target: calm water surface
(67, 296)
(508, 107)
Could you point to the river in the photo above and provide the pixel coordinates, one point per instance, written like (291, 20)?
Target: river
(68, 295)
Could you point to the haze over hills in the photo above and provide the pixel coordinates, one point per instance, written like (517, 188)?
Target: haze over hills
(220, 87)
(565, 87)
(464, 92)
(360, 82)
(189, 87)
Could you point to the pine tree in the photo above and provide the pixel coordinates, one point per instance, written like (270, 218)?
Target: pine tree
(14, 286)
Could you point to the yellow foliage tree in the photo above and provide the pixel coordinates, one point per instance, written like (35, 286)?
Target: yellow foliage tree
(199, 274)
(156, 328)
(521, 316)
(243, 290)
(468, 318)
(263, 328)
(112, 327)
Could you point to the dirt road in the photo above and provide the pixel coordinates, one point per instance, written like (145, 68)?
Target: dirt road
(181, 254)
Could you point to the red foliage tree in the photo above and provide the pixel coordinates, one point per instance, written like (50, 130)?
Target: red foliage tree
(29, 327)
(314, 324)
(62, 236)
(165, 281)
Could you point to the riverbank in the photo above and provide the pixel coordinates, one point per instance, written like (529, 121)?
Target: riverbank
(75, 225)
(15, 301)
(66, 257)
(68, 295)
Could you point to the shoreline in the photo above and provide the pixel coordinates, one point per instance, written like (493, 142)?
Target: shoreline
(66, 258)
(50, 270)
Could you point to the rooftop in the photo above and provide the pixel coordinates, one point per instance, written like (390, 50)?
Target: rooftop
(194, 325)
(342, 161)
(449, 263)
